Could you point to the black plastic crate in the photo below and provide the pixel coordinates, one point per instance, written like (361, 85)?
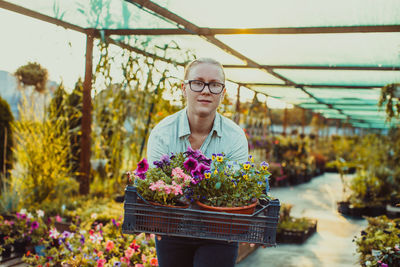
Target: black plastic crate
(258, 228)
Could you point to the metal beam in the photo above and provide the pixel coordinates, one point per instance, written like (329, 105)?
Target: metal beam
(190, 27)
(311, 85)
(214, 31)
(376, 68)
(37, 15)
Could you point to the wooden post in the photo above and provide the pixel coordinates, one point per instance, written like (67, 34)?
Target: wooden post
(86, 117)
(237, 116)
(285, 114)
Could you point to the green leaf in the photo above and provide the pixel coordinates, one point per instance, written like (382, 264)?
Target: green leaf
(218, 185)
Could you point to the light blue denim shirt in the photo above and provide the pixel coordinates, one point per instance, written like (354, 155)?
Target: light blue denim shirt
(172, 135)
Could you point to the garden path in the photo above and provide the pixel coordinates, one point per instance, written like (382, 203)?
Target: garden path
(332, 244)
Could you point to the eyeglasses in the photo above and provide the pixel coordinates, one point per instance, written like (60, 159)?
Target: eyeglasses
(198, 86)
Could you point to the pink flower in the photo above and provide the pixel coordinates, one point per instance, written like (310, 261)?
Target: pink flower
(190, 164)
(139, 265)
(142, 167)
(125, 260)
(109, 245)
(129, 252)
(58, 218)
(144, 258)
(101, 262)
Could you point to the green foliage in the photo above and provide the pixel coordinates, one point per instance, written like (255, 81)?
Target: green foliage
(65, 110)
(379, 242)
(232, 184)
(390, 95)
(124, 113)
(10, 197)
(287, 222)
(90, 210)
(6, 137)
(41, 151)
(32, 74)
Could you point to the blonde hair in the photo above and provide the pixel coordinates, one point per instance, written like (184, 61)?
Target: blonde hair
(193, 63)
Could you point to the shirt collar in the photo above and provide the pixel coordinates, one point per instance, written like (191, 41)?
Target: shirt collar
(184, 128)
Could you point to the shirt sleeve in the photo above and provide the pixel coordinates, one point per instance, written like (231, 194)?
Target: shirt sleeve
(156, 147)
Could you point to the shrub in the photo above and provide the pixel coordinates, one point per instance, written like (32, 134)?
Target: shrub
(6, 137)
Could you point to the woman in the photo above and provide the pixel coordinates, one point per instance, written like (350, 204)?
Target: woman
(200, 127)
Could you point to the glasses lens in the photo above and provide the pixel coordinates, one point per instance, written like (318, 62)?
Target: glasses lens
(216, 88)
(196, 86)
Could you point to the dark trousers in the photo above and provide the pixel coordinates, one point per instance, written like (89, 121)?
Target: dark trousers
(188, 252)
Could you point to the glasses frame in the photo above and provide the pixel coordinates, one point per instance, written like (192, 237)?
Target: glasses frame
(204, 86)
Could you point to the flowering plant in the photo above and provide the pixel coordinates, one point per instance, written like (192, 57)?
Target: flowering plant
(99, 246)
(232, 184)
(171, 180)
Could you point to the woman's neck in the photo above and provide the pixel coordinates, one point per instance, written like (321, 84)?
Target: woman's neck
(200, 125)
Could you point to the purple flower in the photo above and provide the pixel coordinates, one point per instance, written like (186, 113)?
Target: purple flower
(114, 222)
(190, 164)
(141, 175)
(142, 167)
(193, 153)
(199, 171)
(204, 160)
(21, 216)
(65, 234)
(82, 239)
(34, 225)
(117, 264)
(165, 161)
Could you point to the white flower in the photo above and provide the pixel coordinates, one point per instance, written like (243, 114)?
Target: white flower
(367, 263)
(40, 213)
(22, 211)
(54, 233)
(96, 238)
(82, 232)
(93, 215)
(29, 216)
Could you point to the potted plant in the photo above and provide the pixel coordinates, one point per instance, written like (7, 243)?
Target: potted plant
(231, 186)
(170, 181)
(378, 244)
(294, 230)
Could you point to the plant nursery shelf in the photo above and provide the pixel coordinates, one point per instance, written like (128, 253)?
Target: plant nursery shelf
(345, 208)
(295, 236)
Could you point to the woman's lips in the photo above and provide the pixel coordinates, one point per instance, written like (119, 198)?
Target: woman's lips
(204, 101)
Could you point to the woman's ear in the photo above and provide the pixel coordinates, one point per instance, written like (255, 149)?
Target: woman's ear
(183, 89)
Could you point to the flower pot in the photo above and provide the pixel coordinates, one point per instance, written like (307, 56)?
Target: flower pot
(158, 221)
(228, 225)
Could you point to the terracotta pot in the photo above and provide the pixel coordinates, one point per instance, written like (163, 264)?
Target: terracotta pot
(160, 220)
(229, 225)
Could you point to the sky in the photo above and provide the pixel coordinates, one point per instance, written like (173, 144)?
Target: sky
(60, 51)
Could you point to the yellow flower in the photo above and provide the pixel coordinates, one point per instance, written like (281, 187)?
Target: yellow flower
(251, 158)
(246, 165)
(207, 174)
(213, 157)
(216, 172)
(245, 176)
(219, 158)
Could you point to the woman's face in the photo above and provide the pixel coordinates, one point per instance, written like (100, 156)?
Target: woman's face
(203, 103)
